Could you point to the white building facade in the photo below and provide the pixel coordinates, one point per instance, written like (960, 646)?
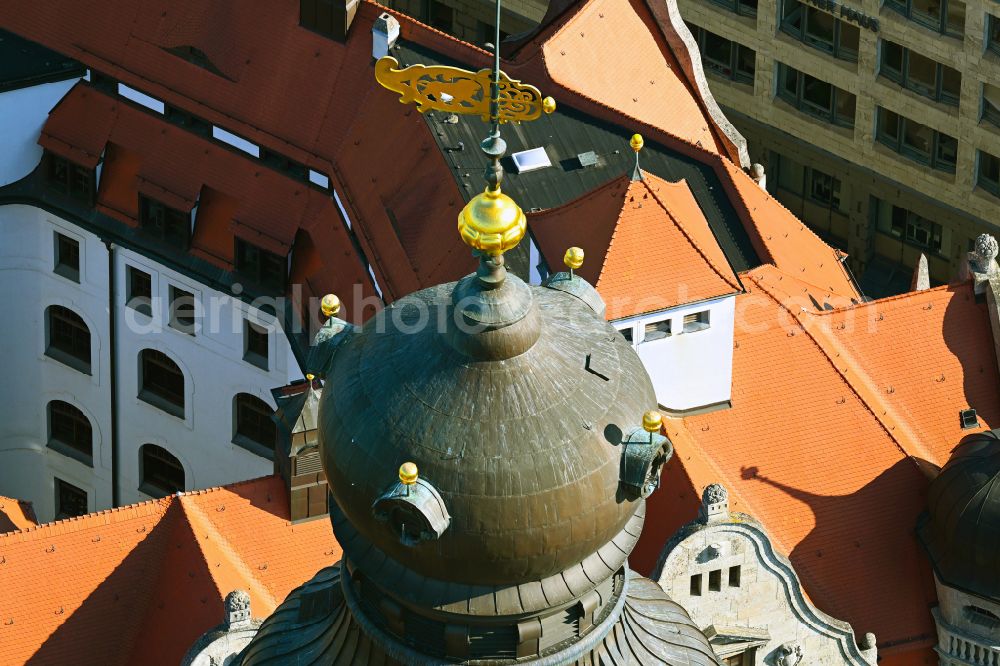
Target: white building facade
(126, 377)
(688, 353)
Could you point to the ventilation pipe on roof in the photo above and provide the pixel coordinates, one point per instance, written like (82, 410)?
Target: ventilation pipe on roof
(385, 32)
(332, 18)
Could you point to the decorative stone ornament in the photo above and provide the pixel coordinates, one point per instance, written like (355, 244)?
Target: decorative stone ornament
(714, 504)
(984, 258)
(789, 654)
(643, 456)
(412, 508)
(237, 609)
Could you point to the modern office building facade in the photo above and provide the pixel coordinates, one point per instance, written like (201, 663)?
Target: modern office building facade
(878, 123)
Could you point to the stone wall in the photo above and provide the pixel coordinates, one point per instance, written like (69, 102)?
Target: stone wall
(747, 598)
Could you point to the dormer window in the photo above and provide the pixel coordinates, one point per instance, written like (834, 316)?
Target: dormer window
(260, 266)
(70, 178)
(168, 224)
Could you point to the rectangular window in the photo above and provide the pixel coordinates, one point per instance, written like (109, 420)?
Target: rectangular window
(815, 97)
(167, 224)
(911, 227)
(181, 313)
(920, 74)
(734, 576)
(991, 104)
(944, 16)
(726, 58)
(993, 33)
(696, 585)
(255, 344)
(916, 141)
(626, 333)
(656, 330)
(989, 173)
(696, 321)
(741, 7)
(789, 174)
(67, 256)
(69, 178)
(259, 266)
(715, 580)
(139, 290)
(820, 30)
(440, 16)
(824, 188)
(70, 500)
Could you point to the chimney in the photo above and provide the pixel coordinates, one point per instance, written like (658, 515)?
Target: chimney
(385, 32)
(331, 18)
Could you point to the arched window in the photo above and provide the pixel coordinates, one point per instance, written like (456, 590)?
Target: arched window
(982, 617)
(161, 382)
(161, 473)
(70, 432)
(67, 338)
(253, 427)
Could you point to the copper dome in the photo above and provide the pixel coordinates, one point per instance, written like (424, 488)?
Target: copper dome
(518, 426)
(962, 528)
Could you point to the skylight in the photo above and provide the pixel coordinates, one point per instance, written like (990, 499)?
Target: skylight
(529, 160)
(141, 98)
(235, 141)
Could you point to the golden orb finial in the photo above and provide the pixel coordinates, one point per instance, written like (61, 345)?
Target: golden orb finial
(573, 258)
(310, 376)
(652, 421)
(636, 142)
(548, 105)
(408, 473)
(330, 305)
(492, 222)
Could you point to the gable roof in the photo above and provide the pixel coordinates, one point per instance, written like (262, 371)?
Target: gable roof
(647, 245)
(141, 583)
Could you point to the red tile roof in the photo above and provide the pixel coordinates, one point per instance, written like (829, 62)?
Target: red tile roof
(833, 417)
(150, 156)
(314, 100)
(784, 239)
(141, 583)
(614, 53)
(646, 243)
(15, 514)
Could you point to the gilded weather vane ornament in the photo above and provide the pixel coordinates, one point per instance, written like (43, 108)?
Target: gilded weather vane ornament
(443, 88)
(491, 223)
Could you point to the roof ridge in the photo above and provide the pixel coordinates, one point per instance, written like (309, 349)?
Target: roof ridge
(197, 517)
(614, 234)
(579, 199)
(115, 514)
(687, 236)
(802, 225)
(887, 427)
(782, 206)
